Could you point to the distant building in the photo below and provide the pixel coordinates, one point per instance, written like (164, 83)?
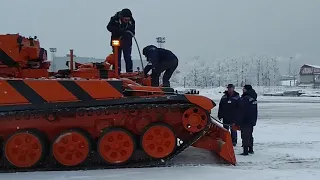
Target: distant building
(60, 62)
(309, 75)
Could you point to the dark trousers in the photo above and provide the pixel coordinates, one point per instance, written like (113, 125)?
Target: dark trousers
(169, 67)
(246, 136)
(234, 135)
(127, 58)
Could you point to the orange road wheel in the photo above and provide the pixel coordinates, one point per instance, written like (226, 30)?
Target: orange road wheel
(194, 119)
(158, 141)
(116, 146)
(24, 149)
(71, 148)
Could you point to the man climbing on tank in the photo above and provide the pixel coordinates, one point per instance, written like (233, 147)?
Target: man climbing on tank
(248, 114)
(228, 109)
(119, 25)
(160, 60)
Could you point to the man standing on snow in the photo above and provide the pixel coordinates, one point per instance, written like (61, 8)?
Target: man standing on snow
(118, 25)
(228, 108)
(248, 114)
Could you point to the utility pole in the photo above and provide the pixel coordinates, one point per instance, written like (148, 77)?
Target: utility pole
(53, 55)
(69, 55)
(289, 70)
(161, 41)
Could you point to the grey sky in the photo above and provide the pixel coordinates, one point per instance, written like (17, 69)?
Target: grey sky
(208, 28)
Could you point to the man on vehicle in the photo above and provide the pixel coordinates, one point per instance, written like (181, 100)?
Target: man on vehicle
(247, 118)
(119, 25)
(228, 109)
(160, 60)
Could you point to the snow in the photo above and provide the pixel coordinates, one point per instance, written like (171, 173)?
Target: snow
(288, 82)
(314, 66)
(308, 93)
(286, 142)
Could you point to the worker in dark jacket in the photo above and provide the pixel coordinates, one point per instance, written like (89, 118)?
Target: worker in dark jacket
(248, 114)
(160, 60)
(228, 108)
(119, 25)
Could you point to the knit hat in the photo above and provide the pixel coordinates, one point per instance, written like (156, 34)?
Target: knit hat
(147, 48)
(126, 13)
(230, 86)
(247, 87)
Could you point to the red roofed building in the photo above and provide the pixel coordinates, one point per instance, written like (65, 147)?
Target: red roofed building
(309, 74)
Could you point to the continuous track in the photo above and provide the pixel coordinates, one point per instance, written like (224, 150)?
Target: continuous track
(94, 160)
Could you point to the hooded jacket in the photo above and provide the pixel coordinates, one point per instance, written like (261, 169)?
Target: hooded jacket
(248, 111)
(118, 29)
(156, 55)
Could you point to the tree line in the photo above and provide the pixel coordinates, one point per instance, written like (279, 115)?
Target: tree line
(254, 70)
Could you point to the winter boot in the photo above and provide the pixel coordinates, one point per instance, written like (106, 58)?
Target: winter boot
(251, 150)
(245, 151)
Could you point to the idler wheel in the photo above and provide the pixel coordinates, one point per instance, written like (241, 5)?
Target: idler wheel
(71, 148)
(116, 146)
(159, 140)
(24, 149)
(194, 119)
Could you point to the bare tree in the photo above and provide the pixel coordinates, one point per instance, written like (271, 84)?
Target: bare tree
(255, 70)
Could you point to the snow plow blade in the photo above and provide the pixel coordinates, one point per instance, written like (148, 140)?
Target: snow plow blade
(219, 141)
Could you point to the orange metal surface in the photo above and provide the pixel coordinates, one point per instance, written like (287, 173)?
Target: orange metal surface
(116, 146)
(99, 89)
(9, 96)
(71, 148)
(201, 101)
(219, 141)
(23, 149)
(51, 90)
(92, 105)
(158, 141)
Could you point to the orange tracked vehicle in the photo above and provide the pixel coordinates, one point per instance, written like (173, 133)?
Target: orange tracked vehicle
(89, 116)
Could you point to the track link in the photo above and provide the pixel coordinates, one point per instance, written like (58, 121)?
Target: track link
(49, 163)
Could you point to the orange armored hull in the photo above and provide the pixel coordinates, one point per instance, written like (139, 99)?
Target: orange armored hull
(71, 124)
(80, 121)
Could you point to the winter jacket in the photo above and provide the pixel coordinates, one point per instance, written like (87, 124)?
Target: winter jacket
(118, 30)
(248, 111)
(156, 55)
(228, 107)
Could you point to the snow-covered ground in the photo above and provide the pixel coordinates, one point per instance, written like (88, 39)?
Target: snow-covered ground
(287, 146)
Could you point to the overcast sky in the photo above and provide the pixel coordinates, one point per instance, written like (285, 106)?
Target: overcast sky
(205, 28)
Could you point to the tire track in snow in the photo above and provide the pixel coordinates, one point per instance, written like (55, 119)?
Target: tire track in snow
(282, 155)
(288, 144)
(270, 155)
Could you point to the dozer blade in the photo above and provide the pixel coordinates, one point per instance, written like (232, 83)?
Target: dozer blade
(219, 141)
